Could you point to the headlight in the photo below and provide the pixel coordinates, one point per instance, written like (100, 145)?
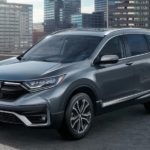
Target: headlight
(44, 83)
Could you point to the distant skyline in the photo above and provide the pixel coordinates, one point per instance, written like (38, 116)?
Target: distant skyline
(38, 7)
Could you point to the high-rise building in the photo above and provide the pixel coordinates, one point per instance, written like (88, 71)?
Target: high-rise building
(149, 14)
(15, 27)
(125, 13)
(130, 13)
(94, 20)
(53, 15)
(70, 7)
(57, 14)
(100, 6)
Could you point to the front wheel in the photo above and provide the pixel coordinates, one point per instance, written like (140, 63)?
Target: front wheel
(78, 117)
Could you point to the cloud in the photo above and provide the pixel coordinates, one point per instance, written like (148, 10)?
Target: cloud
(38, 8)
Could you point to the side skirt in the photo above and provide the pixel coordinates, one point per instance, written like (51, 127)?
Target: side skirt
(141, 97)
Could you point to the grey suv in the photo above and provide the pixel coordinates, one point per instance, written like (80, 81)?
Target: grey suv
(71, 76)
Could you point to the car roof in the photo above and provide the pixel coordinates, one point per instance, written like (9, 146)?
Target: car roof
(101, 31)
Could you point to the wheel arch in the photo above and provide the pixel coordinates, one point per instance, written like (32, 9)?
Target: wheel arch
(87, 90)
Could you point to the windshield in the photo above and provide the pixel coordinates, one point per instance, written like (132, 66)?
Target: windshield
(63, 48)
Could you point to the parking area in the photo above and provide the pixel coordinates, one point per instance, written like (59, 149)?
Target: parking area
(126, 129)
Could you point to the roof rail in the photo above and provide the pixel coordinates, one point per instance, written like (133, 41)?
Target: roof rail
(59, 31)
(76, 29)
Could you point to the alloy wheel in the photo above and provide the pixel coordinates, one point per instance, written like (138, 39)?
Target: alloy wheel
(80, 116)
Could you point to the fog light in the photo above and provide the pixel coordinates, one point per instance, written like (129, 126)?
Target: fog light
(43, 118)
(38, 118)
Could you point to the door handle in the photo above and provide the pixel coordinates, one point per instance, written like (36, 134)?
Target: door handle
(129, 63)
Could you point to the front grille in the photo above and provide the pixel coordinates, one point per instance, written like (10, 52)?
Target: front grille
(11, 92)
(9, 118)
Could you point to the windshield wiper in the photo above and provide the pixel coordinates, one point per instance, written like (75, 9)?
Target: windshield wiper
(19, 57)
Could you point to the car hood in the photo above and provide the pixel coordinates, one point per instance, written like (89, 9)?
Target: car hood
(20, 71)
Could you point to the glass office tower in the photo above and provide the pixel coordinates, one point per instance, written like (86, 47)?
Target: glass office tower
(15, 27)
(53, 15)
(100, 6)
(70, 7)
(94, 20)
(57, 14)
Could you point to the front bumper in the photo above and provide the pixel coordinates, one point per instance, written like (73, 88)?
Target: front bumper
(29, 110)
(33, 109)
(16, 118)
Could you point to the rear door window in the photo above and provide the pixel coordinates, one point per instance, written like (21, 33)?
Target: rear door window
(136, 45)
(148, 39)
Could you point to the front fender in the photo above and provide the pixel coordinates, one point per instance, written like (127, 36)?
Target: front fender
(63, 93)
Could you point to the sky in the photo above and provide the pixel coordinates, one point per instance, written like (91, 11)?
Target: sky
(87, 6)
(38, 7)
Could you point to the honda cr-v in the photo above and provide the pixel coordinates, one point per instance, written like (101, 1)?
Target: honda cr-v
(71, 76)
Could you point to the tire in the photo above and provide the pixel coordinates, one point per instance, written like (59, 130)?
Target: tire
(78, 117)
(147, 106)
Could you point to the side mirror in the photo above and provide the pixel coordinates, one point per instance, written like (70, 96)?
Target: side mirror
(109, 59)
(106, 59)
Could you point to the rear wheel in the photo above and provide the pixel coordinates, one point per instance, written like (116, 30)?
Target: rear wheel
(78, 117)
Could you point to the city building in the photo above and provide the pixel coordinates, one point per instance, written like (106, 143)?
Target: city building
(104, 6)
(15, 27)
(100, 6)
(149, 14)
(94, 20)
(3, 1)
(38, 32)
(70, 7)
(57, 14)
(53, 15)
(125, 13)
(130, 13)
